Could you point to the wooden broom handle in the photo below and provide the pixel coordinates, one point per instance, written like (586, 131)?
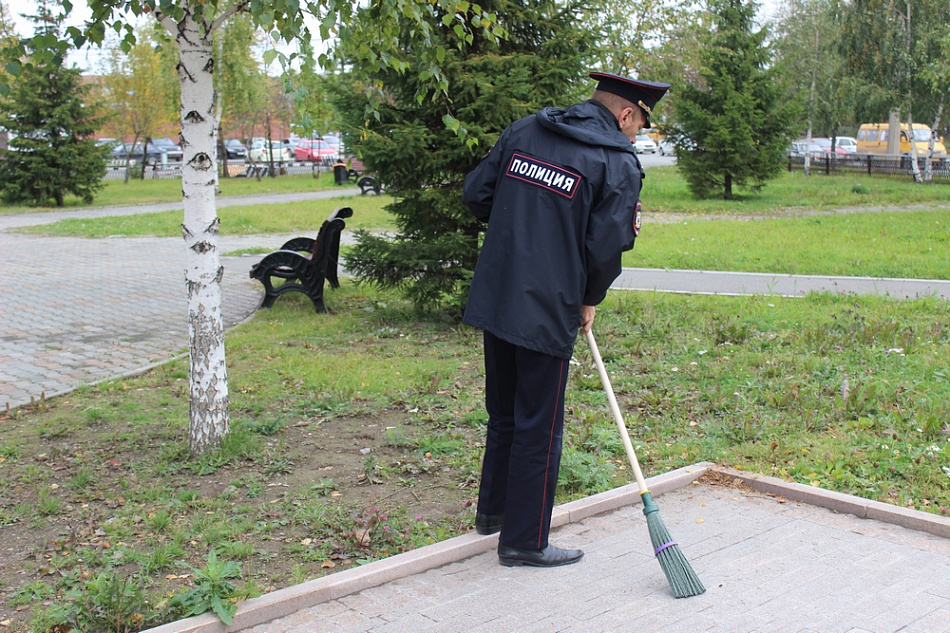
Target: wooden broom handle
(631, 455)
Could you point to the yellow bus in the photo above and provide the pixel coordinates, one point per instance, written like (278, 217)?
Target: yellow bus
(872, 139)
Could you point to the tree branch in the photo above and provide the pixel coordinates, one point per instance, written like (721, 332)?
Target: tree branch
(227, 13)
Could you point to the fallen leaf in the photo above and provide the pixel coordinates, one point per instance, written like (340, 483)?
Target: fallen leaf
(700, 520)
(328, 564)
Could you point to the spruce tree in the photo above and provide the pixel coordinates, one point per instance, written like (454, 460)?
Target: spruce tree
(732, 125)
(421, 148)
(52, 152)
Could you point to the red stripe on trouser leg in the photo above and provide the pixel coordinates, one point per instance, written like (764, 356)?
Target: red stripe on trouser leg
(525, 401)
(545, 526)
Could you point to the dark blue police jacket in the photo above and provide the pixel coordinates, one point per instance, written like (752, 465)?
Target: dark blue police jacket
(559, 191)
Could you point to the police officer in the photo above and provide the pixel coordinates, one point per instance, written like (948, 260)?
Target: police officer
(560, 192)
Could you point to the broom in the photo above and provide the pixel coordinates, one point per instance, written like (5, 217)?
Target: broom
(683, 580)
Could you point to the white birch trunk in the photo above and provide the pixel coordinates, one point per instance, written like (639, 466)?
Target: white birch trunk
(811, 108)
(929, 164)
(209, 416)
(913, 147)
(910, 108)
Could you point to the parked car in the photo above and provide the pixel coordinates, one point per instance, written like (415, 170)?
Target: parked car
(644, 145)
(848, 143)
(171, 147)
(157, 155)
(664, 147)
(259, 152)
(335, 141)
(316, 150)
(235, 148)
(825, 145)
(817, 148)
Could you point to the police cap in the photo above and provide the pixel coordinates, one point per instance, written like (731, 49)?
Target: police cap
(645, 94)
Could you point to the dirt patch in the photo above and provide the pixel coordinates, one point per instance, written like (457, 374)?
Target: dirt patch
(314, 497)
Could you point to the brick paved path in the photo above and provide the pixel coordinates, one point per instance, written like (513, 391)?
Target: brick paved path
(77, 311)
(775, 557)
(767, 567)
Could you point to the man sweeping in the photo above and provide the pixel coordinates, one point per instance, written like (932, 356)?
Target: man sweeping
(560, 192)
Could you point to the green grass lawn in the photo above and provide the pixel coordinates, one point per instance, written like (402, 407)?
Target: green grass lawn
(910, 244)
(373, 417)
(785, 235)
(287, 217)
(119, 193)
(665, 192)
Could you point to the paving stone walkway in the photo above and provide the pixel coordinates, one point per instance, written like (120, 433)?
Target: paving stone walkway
(774, 557)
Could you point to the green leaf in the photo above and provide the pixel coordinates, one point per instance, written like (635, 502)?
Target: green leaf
(221, 610)
(451, 123)
(269, 56)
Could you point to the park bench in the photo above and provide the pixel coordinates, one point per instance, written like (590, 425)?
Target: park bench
(253, 170)
(368, 183)
(343, 175)
(304, 263)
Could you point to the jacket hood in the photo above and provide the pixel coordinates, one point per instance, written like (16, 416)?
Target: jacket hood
(589, 122)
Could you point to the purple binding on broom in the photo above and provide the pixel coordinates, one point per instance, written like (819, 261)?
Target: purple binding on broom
(663, 547)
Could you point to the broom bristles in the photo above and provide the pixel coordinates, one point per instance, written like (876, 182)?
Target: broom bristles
(684, 582)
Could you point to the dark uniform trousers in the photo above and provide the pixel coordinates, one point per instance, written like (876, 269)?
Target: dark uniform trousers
(524, 397)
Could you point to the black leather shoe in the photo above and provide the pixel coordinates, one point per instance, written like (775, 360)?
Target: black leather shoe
(488, 523)
(550, 556)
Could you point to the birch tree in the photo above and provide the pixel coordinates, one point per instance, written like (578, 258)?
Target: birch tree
(807, 45)
(890, 48)
(241, 83)
(937, 74)
(191, 24)
(631, 31)
(135, 93)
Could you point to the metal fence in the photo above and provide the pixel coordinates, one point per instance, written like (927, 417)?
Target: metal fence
(236, 169)
(875, 165)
